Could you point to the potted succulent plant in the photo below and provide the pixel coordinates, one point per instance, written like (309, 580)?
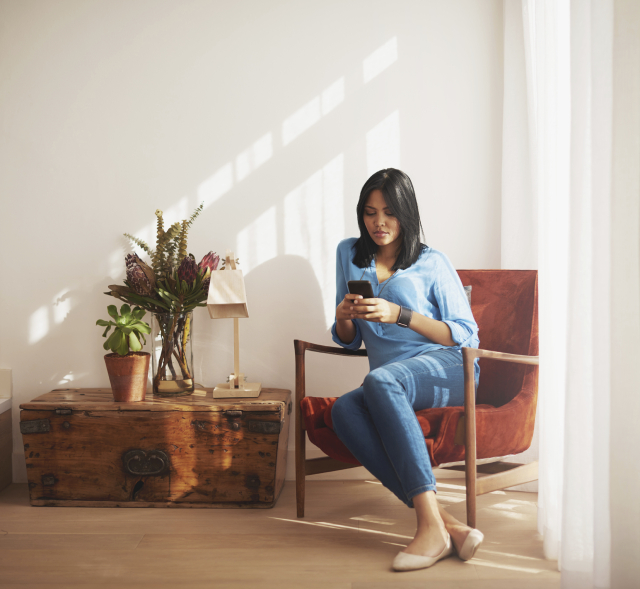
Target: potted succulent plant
(127, 366)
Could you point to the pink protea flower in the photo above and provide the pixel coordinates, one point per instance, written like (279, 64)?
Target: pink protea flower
(210, 261)
(208, 264)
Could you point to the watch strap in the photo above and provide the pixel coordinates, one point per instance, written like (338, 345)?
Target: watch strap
(404, 318)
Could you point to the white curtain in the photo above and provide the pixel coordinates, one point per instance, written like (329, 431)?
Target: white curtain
(582, 162)
(546, 49)
(586, 546)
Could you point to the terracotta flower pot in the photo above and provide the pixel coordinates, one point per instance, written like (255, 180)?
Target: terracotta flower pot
(128, 375)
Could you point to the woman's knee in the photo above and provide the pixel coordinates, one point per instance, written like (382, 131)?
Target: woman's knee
(343, 407)
(380, 384)
(337, 411)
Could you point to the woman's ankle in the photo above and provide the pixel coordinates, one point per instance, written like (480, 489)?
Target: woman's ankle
(432, 528)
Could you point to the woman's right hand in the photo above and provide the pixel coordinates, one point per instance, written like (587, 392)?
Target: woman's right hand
(345, 327)
(343, 310)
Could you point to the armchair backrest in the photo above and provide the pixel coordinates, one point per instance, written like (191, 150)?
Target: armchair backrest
(505, 307)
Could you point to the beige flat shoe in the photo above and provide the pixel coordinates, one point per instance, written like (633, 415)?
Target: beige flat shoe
(470, 545)
(411, 562)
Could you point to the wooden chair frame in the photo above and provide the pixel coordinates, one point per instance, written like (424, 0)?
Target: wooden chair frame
(499, 475)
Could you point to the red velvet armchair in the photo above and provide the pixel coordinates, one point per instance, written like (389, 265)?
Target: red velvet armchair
(498, 424)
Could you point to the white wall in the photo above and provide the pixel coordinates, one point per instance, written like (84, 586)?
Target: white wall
(274, 113)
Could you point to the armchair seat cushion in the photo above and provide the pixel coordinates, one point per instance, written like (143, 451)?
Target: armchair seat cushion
(500, 431)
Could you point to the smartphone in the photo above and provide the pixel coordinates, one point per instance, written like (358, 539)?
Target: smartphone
(361, 287)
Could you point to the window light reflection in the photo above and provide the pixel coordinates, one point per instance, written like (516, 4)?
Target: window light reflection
(38, 325)
(506, 567)
(510, 555)
(257, 243)
(339, 526)
(61, 306)
(332, 96)
(218, 184)
(309, 114)
(383, 144)
(380, 59)
(254, 156)
(314, 225)
(301, 120)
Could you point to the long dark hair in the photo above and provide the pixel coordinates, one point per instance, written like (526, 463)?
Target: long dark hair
(397, 189)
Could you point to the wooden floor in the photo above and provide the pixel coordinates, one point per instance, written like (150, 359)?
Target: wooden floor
(351, 532)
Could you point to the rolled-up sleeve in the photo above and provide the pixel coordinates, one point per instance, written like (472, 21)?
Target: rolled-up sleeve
(341, 291)
(454, 305)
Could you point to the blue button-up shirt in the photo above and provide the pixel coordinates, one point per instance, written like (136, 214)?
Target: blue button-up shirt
(430, 287)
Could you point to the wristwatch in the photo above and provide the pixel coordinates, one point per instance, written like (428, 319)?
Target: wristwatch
(404, 318)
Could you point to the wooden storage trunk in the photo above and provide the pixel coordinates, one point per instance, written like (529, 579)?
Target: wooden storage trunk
(84, 449)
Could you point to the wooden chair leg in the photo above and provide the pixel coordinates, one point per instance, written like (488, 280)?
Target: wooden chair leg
(300, 433)
(471, 501)
(468, 357)
(300, 470)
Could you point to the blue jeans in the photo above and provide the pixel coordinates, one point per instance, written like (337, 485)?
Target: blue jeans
(377, 421)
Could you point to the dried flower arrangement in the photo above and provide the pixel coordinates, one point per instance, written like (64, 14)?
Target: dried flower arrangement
(174, 283)
(170, 288)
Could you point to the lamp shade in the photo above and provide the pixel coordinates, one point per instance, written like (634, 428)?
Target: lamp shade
(227, 295)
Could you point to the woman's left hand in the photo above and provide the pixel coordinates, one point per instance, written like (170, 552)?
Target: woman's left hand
(375, 310)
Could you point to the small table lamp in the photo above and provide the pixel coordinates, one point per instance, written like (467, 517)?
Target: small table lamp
(227, 299)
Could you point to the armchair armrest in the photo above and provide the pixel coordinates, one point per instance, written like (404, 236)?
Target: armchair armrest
(470, 354)
(301, 347)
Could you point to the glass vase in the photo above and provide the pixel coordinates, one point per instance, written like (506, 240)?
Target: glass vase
(172, 355)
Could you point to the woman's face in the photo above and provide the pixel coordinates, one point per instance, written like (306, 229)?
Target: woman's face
(382, 226)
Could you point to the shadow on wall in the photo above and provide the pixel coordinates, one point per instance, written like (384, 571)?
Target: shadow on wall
(282, 218)
(277, 315)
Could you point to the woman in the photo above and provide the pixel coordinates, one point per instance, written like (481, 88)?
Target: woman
(413, 330)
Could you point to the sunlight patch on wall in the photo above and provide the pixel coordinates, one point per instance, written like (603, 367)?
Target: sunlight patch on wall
(175, 213)
(257, 243)
(219, 183)
(332, 96)
(380, 59)
(383, 144)
(253, 157)
(66, 379)
(38, 325)
(314, 225)
(308, 115)
(301, 120)
(61, 306)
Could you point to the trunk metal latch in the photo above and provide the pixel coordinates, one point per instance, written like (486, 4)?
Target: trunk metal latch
(230, 414)
(35, 426)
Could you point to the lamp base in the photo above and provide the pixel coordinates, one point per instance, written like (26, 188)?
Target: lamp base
(248, 389)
